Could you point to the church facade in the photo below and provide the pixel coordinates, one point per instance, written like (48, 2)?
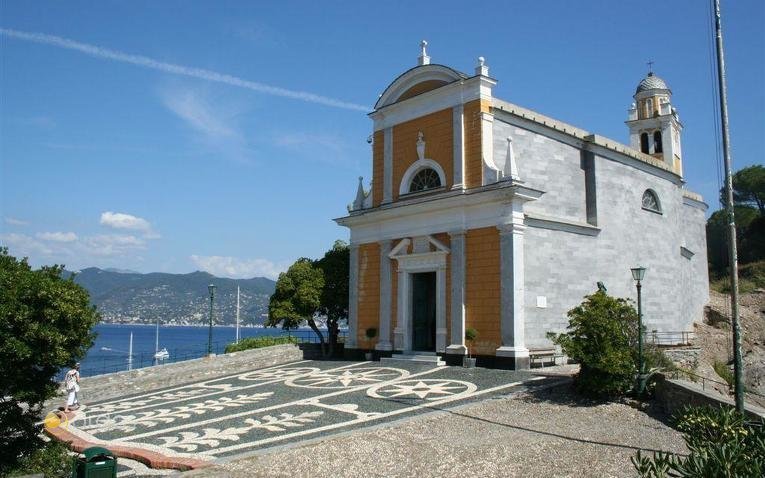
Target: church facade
(486, 215)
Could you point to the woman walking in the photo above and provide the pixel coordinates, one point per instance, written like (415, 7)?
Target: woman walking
(72, 385)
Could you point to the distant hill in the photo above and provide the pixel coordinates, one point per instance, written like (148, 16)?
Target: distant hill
(131, 297)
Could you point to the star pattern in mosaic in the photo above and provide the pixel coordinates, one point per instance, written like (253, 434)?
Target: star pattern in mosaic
(427, 389)
(347, 378)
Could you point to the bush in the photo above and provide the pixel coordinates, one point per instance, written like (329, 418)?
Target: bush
(52, 460)
(721, 444)
(723, 370)
(750, 277)
(602, 337)
(258, 343)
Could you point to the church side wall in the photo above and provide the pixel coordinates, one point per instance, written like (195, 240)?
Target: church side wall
(563, 267)
(547, 165)
(482, 288)
(695, 239)
(369, 292)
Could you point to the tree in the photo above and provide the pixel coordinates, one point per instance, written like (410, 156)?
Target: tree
(748, 188)
(46, 324)
(334, 296)
(297, 297)
(602, 337)
(717, 237)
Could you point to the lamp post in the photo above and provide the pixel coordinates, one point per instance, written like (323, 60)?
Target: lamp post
(210, 288)
(638, 273)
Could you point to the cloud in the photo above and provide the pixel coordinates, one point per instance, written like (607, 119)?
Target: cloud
(191, 108)
(105, 245)
(12, 221)
(120, 220)
(200, 73)
(57, 236)
(212, 121)
(226, 266)
(23, 245)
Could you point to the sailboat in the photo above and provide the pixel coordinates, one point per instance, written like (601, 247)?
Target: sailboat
(159, 355)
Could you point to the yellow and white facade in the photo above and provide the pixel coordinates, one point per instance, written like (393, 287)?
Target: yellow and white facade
(440, 240)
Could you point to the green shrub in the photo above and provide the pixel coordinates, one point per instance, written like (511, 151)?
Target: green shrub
(721, 444)
(259, 342)
(602, 338)
(750, 277)
(471, 334)
(723, 370)
(52, 460)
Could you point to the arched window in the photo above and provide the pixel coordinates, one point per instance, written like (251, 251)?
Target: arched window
(426, 178)
(648, 108)
(651, 201)
(644, 143)
(657, 142)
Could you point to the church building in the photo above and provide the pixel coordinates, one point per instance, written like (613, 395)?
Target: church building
(485, 215)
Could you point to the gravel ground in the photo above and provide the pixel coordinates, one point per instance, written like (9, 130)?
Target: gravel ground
(547, 433)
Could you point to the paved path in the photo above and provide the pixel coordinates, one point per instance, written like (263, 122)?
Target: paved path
(248, 412)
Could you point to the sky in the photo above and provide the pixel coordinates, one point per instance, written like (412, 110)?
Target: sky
(225, 136)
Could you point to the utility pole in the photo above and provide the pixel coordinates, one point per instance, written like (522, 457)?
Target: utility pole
(237, 314)
(738, 365)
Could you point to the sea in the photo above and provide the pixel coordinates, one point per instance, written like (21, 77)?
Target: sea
(111, 349)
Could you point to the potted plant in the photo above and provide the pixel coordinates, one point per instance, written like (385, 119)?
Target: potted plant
(470, 335)
(370, 334)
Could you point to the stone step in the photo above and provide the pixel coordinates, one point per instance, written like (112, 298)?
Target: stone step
(424, 357)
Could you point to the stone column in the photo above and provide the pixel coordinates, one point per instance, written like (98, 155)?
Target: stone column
(512, 295)
(387, 165)
(441, 309)
(383, 342)
(458, 146)
(353, 298)
(457, 257)
(402, 335)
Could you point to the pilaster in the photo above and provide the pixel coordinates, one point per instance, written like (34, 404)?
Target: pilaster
(512, 320)
(401, 339)
(353, 297)
(387, 165)
(383, 342)
(457, 257)
(441, 309)
(458, 146)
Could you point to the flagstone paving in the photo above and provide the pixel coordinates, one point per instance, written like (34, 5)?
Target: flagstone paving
(284, 404)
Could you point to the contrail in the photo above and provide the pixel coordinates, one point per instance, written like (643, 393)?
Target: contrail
(200, 73)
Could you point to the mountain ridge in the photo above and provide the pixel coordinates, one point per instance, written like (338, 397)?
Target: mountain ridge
(131, 297)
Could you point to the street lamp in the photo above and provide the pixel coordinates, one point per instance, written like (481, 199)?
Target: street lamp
(637, 274)
(210, 288)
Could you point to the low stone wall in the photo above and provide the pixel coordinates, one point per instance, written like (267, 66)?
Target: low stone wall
(673, 395)
(107, 386)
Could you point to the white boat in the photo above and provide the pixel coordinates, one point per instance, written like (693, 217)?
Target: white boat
(162, 354)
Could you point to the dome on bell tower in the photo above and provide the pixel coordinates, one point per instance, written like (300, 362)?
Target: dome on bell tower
(651, 82)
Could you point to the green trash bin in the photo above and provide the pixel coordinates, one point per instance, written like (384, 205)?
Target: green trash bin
(97, 462)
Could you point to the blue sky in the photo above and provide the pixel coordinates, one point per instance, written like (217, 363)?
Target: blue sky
(109, 157)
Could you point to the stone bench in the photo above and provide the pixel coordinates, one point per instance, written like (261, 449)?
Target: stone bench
(541, 355)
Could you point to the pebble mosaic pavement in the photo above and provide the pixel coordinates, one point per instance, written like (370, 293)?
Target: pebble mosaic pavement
(285, 404)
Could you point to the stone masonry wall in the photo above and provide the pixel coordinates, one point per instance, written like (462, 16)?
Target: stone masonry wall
(561, 266)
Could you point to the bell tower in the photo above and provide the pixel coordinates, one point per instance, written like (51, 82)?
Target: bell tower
(654, 124)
